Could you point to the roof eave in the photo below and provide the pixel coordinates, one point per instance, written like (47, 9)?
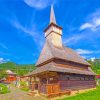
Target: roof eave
(45, 62)
(52, 24)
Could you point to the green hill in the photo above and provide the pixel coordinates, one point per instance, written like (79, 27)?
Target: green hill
(17, 68)
(95, 65)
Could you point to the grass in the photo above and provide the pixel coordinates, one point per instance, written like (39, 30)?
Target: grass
(90, 95)
(24, 86)
(4, 89)
(26, 89)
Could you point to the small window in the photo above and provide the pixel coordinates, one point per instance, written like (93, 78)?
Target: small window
(51, 79)
(82, 78)
(86, 78)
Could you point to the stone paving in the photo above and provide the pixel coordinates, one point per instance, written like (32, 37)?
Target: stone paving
(17, 94)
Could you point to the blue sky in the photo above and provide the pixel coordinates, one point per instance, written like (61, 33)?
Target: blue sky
(22, 23)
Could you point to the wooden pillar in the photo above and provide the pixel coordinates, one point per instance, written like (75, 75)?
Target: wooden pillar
(47, 83)
(39, 86)
(34, 78)
(47, 78)
(30, 79)
(34, 82)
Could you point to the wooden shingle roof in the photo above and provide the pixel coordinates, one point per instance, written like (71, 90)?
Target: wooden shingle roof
(52, 67)
(50, 51)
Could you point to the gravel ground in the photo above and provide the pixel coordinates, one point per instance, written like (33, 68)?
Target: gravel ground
(17, 94)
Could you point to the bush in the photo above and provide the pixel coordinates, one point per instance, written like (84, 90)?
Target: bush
(23, 84)
(4, 89)
(3, 74)
(98, 82)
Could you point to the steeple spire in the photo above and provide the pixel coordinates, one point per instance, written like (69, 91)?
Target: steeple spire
(52, 16)
(53, 33)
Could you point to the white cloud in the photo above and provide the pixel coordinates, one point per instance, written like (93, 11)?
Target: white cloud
(2, 60)
(39, 4)
(91, 25)
(20, 27)
(74, 39)
(97, 22)
(93, 59)
(3, 46)
(93, 22)
(28, 31)
(86, 25)
(83, 51)
(90, 31)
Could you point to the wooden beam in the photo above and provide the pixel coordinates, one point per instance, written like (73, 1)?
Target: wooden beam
(30, 79)
(47, 78)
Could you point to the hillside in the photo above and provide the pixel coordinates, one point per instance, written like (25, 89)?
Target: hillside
(95, 65)
(19, 69)
(25, 69)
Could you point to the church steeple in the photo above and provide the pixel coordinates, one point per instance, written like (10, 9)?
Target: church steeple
(52, 16)
(53, 33)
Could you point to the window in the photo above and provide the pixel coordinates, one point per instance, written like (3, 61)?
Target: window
(82, 78)
(51, 79)
(44, 80)
(64, 77)
(86, 78)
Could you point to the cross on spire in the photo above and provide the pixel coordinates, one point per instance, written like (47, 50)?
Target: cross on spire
(52, 16)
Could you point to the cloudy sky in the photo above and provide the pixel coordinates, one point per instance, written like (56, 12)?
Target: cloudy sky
(22, 23)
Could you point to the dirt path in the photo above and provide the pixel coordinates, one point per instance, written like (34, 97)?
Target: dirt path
(17, 94)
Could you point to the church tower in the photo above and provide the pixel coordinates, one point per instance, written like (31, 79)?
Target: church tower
(53, 33)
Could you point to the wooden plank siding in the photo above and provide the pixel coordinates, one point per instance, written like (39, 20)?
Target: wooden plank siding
(76, 85)
(67, 64)
(75, 81)
(42, 88)
(48, 82)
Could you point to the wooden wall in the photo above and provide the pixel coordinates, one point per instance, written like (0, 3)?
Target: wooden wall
(73, 81)
(42, 88)
(66, 81)
(69, 64)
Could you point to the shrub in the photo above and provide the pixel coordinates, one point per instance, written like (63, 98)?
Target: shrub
(23, 84)
(4, 89)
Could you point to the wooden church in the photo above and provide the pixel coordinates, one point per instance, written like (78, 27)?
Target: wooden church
(60, 68)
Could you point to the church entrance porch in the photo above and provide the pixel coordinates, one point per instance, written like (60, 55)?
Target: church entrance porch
(46, 83)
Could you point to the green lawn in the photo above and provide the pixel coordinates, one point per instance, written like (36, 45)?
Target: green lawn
(26, 89)
(90, 95)
(4, 89)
